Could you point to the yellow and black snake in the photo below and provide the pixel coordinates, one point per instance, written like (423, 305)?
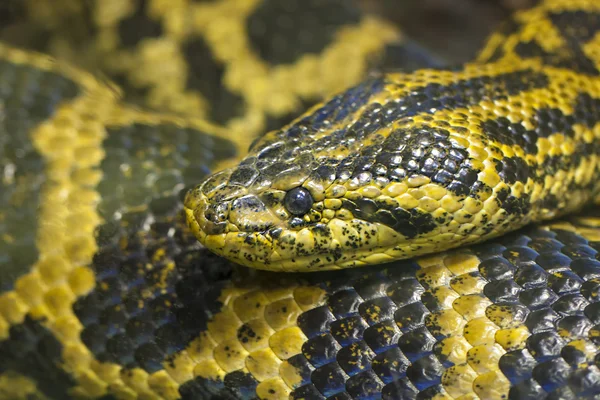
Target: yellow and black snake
(106, 292)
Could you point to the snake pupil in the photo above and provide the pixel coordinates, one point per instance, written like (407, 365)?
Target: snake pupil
(298, 201)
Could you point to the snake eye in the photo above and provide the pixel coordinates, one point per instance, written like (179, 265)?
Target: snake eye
(298, 201)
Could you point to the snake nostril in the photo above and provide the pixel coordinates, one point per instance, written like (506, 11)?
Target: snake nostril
(216, 218)
(217, 212)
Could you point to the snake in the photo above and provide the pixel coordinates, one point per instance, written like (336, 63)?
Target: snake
(422, 233)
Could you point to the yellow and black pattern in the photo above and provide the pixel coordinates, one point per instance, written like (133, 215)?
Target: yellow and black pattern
(245, 64)
(408, 164)
(106, 293)
(60, 164)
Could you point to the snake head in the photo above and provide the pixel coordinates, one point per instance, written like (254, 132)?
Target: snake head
(264, 213)
(362, 180)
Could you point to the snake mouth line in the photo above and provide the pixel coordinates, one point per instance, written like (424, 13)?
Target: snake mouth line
(271, 246)
(330, 245)
(304, 250)
(260, 250)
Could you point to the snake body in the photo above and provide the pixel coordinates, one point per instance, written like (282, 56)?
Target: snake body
(105, 291)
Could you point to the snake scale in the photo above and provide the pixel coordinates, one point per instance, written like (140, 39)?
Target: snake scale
(457, 190)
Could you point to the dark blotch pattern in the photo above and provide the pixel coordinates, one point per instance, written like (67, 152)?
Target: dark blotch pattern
(570, 57)
(237, 385)
(428, 152)
(405, 152)
(428, 99)
(587, 110)
(32, 351)
(514, 169)
(281, 32)
(514, 205)
(577, 28)
(155, 288)
(138, 26)
(28, 96)
(150, 270)
(409, 223)
(547, 121)
(335, 110)
(463, 93)
(205, 74)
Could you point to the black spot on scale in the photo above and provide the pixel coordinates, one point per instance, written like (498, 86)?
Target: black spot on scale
(513, 205)
(248, 203)
(409, 223)
(321, 230)
(246, 333)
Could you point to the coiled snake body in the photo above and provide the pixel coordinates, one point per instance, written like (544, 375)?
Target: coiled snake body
(105, 292)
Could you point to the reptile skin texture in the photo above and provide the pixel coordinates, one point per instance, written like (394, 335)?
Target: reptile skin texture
(106, 291)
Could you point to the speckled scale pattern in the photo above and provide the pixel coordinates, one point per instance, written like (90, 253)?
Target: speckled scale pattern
(28, 96)
(149, 274)
(131, 317)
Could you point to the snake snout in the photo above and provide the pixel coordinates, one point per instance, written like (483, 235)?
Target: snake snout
(250, 214)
